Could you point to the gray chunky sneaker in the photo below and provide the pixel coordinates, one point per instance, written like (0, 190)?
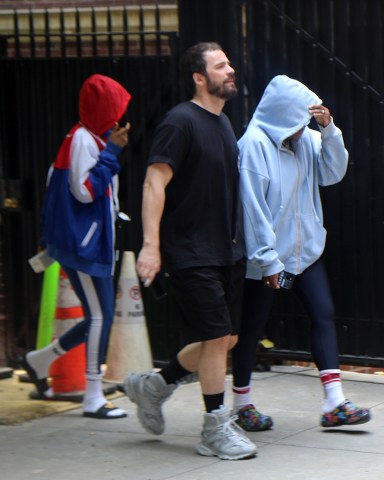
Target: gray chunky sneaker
(149, 391)
(223, 438)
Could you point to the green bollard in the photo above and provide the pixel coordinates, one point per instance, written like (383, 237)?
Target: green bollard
(48, 305)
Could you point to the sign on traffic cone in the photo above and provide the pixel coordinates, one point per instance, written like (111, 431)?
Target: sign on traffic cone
(68, 371)
(129, 348)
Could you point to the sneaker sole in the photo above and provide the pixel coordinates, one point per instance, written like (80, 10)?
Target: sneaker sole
(201, 449)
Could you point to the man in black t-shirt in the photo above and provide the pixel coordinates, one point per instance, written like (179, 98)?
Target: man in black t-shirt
(189, 213)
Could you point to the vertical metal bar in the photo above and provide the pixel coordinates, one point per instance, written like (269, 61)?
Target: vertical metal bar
(3, 46)
(17, 33)
(47, 35)
(94, 31)
(126, 31)
(158, 30)
(174, 59)
(110, 33)
(32, 34)
(63, 41)
(141, 29)
(79, 49)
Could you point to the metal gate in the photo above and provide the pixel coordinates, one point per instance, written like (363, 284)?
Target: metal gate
(39, 86)
(333, 46)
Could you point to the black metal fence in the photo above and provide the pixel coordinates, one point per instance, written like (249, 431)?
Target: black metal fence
(39, 86)
(333, 46)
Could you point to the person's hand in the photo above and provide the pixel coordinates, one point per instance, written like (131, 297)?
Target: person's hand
(119, 135)
(148, 264)
(321, 114)
(272, 281)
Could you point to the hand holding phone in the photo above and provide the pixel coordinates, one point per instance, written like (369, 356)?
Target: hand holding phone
(286, 279)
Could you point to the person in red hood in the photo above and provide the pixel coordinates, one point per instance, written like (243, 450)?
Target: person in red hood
(78, 219)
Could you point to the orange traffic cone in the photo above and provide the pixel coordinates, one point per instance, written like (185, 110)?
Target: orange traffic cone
(129, 349)
(68, 372)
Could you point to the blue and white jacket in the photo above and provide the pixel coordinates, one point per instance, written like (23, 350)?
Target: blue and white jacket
(81, 199)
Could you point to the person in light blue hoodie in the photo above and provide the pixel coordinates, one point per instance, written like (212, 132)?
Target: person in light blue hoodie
(283, 163)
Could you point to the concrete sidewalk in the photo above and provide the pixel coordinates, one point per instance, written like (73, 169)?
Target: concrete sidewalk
(69, 446)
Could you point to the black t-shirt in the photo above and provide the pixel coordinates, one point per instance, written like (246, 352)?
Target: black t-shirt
(199, 219)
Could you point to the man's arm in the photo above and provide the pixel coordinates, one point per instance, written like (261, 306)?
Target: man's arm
(149, 260)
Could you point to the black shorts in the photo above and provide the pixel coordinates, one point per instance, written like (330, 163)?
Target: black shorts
(208, 300)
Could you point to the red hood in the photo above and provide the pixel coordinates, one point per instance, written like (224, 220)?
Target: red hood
(102, 103)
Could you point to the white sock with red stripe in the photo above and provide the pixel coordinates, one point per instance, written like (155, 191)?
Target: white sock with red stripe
(333, 391)
(241, 397)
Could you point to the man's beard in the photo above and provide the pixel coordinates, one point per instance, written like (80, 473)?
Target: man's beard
(224, 91)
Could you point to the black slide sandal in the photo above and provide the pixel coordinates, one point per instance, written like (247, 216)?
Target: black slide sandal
(41, 384)
(102, 413)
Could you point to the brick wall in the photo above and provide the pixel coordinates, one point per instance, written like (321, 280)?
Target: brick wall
(80, 18)
(27, 4)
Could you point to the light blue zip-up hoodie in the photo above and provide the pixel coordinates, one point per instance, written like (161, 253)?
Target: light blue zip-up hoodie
(279, 186)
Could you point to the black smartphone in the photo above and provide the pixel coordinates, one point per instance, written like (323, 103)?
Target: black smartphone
(157, 287)
(286, 279)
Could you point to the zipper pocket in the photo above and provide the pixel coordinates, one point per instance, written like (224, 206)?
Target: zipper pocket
(89, 235)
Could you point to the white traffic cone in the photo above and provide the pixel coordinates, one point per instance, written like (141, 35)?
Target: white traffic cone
(129, 348)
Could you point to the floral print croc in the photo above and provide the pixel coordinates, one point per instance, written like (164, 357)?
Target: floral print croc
(345, 414)
(250, 420)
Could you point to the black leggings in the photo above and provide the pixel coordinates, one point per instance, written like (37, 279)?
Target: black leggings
(312, 289)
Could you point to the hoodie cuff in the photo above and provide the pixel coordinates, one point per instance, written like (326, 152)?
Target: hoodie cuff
(273, 269)
(112, 148)
(329, 130)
